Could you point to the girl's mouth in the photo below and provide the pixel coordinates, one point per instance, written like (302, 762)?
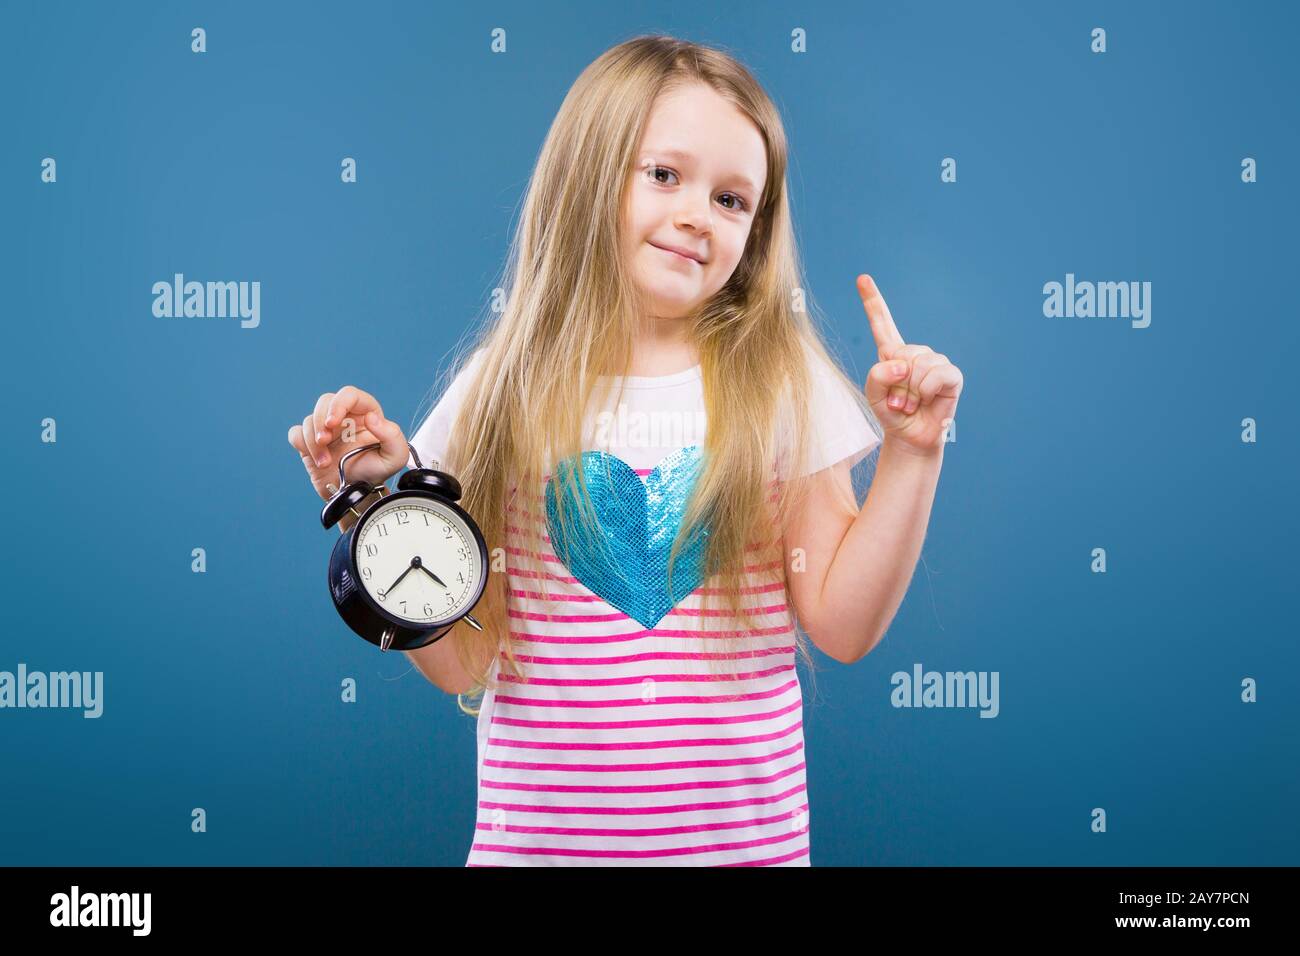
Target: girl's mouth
(677, 255)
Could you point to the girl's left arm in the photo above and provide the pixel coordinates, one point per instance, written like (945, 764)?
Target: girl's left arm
(857, 565)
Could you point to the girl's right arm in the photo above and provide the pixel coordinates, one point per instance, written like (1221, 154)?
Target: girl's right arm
(440, 664)
(320, 443)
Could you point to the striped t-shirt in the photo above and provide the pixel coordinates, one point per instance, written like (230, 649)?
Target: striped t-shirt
(621, 748)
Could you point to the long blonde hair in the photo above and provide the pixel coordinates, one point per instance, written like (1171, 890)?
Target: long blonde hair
(568, 312)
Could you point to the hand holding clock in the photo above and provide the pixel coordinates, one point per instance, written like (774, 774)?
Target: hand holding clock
(388, 533)
(322, 439)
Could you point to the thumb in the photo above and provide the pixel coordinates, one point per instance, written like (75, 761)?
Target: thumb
(882, 377)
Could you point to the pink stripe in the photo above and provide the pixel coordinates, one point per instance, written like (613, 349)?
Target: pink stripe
(644, 744)
(520, 552)
(722, 612)
(639, 702)
(650, 656)
(560, 596)
(757, 589)
(642, 472)
(641, 678)
(692, 720)
(641, 767)
(526, 573)
(648, 788)
(746, 569)
(635, 635)
(538, 596)
(783, 817)
(634, 854)
(643, 811)
(620, 616)
(679, 610)
(515, 529)
(770, 861)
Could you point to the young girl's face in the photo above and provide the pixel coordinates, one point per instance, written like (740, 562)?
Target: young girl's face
(697, 177)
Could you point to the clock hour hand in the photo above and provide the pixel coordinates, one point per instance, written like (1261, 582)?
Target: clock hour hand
(432, 575)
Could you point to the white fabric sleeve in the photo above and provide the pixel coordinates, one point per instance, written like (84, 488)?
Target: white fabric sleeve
(433, 435)
(838, 428)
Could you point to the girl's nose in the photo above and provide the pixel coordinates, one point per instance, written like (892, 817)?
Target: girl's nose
(694, 214)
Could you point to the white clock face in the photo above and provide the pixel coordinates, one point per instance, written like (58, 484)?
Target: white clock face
(437, 586)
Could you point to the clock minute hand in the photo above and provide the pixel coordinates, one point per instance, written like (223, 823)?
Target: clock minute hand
(398, 581)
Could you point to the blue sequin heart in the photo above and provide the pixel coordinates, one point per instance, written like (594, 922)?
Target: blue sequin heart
(626, 564)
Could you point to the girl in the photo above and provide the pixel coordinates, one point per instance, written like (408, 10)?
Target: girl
(657, 446)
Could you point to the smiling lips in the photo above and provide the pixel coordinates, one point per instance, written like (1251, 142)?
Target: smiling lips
(680, 253)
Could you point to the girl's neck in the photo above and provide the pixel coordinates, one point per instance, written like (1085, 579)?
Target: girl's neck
(663, 348)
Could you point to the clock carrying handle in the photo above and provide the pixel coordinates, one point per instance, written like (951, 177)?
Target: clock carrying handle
(348, 496)
(343, 481)
(356, 451)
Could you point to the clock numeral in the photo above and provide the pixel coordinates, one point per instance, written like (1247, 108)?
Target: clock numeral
(365, 573)
(382, 531)
(426, 520)
(428, 610)
(460, 576)
(371, 550)
(463, 551)
(450, 600)
(402, 518)
(403, 603)
(446, 531)
(380, 593)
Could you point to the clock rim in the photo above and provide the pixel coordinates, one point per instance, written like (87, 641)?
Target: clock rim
(435, 499)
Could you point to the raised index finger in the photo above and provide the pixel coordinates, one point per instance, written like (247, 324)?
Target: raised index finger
(883, 328)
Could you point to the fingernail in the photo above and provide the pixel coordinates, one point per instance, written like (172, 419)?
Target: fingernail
(895, 401)
(900, 368)
(320, 436)
(322, 459)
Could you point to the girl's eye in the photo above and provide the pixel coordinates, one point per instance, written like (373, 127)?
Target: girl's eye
(655, 170)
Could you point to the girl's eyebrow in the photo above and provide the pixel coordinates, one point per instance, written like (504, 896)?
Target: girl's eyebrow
(680, 154)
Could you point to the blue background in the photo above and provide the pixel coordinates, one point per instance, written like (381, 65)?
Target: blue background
(222, 690)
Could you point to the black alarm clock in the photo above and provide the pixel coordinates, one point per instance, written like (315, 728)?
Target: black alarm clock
(412, 565)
